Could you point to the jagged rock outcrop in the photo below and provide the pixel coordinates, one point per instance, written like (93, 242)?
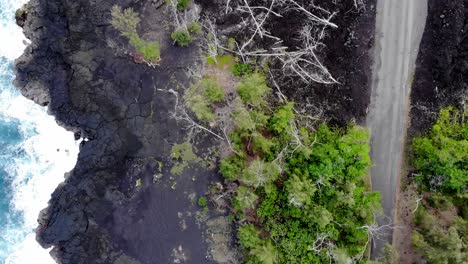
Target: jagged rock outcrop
(96, 215)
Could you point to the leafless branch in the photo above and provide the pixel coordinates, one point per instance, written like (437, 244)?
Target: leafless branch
(301, 61)
(180, 114)
(418, 199)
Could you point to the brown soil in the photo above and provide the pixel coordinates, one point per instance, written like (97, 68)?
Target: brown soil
(404, 223)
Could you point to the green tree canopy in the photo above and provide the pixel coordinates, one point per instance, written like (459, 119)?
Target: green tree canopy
(441, 157)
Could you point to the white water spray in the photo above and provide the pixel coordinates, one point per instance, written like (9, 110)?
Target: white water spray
(47, 152)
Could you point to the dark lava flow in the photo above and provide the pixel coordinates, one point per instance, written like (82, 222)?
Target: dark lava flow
(99, 215)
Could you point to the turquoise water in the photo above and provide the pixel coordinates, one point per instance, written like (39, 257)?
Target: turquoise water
(34, 154)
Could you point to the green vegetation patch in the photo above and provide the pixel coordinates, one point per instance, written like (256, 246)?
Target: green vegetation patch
(224, 62)
(439, 243)
(183, 4)
(440, 159)
(194, 28)
(200, 97)
(202, 201)
(441, 156)
(126, 22)
(182, 37)
(253, 88)
(297, 186)
(183, 155)
(241, 69)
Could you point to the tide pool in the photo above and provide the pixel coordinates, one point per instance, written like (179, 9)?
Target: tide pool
(34, 154)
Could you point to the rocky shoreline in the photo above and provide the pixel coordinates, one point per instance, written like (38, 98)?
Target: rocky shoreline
(109, 209)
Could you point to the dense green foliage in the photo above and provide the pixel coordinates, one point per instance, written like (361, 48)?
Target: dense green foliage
(200, 97)
(202, 202)
(182, 4)
(439, 243)
(241, 69)
(126, 22)
(303, 196)
(182, 37)
(441, 157)
(441, 162)
(231, 167)
(252, 88)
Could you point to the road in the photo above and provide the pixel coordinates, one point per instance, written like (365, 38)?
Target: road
(399, 28)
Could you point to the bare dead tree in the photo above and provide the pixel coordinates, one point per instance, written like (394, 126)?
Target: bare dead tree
(180, 114)
(418, 200)
(212, 42)
(182, 19)
(321, 242)
(359, 4)
(302, 61)
(374, 232)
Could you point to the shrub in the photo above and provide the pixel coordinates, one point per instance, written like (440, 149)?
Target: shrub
(232, 43)
(241, 69)
(194, 28)
(182, 37)
(439, 245)
(265, 253)
(201, 109)
(261, 173)
(182, 4)
(282, 118)
(232, 167)
(252, 89)
(126, 22)
(149, 49)
(241, 117)
(248, 236)
(202, 202)
(300, 191)
(441, 156)
(245, 198)
(213, 91)
(199, 97)
(260, 144)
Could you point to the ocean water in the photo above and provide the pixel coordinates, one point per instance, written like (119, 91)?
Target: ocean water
(34, 154)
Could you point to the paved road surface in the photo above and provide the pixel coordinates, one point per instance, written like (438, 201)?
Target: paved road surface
(399, 27)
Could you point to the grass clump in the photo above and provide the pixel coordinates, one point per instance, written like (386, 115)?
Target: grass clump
(200, 97)
(224, 62)
(241, 69)
(183, 4)
(202, 202)
(182, 37)
(126, 22)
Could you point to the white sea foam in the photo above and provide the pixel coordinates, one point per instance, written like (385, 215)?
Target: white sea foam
(12, 39)
(49, 152)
